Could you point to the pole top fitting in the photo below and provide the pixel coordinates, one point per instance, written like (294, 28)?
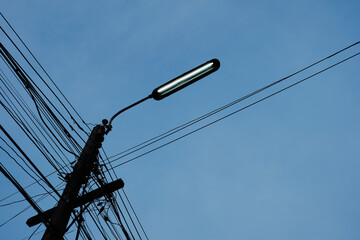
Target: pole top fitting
(107, 126)
(105, 122)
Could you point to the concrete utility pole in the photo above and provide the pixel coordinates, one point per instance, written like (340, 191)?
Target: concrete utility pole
(82, 170)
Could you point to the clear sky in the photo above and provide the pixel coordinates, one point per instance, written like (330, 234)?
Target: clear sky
(286, 168)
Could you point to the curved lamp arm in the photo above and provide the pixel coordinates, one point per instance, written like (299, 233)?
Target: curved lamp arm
(109, 126)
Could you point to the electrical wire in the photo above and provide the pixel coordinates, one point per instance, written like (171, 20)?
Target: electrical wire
(46, 75)
(26, 109)
(30, 161)
(23, 210)
(29, 132)
(41, 102)
(27, 238)
(35, 231)
(135, 214)
(12, 112)
(27, 172)
(131, 219)
(24, 200)
(45, 84)
(13, 217)
(31, 184)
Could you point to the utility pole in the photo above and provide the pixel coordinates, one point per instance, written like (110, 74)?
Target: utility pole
(80, 175)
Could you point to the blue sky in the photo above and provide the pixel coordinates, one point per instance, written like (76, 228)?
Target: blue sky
(287, 168)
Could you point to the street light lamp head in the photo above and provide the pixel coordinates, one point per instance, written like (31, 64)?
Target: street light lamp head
(185, 79)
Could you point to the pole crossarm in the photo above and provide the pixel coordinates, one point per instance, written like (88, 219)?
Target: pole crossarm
(89, 197)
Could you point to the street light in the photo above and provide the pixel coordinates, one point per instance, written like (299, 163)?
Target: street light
(86, 163)
(173, 86)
